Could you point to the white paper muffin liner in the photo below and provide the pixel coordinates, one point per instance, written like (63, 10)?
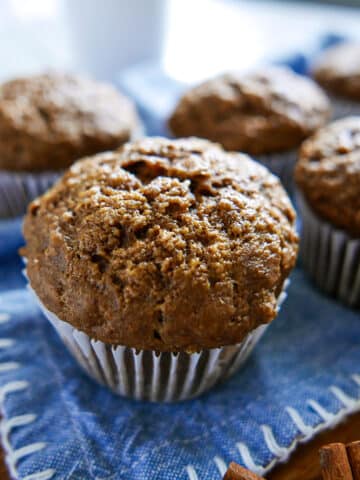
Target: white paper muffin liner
(282, 165)
(344, 108)
(330, 255)
(150, 375)
(18, 189)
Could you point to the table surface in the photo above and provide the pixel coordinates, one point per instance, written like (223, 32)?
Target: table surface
(303, 464)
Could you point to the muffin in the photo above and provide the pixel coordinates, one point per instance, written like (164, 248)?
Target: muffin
(266, 113)
(328, 178)
(160, 264)
(338, 71)
(47, 122)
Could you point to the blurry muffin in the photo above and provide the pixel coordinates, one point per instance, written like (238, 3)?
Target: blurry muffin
(163, 246)
(266, 113)
(47, 122)
(328, 178)
(338, 71)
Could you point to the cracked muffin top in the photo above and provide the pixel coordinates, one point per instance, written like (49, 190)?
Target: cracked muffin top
(168, 245)
(338, 70)
(328, 173)
(48, 121)
(269, 110)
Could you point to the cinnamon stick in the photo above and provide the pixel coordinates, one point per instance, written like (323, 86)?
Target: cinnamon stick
(237, 472)
(334, 462)
(353, 452)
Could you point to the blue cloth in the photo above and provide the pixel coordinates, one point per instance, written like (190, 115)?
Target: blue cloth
(57, 423)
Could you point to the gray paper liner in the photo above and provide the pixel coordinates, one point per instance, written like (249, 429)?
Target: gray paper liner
(150, 375)
(282, 165)
(18, 189)
(330, 255)
(344, 108)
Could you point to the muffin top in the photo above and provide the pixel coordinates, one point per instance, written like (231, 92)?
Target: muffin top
(47, 121)
(163, 245)
(328, 173)
(338, 70)
(270, 110)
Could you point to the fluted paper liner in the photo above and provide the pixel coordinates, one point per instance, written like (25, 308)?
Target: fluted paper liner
(150, 375)
(282, 165)
(330, 255)
(18, 189)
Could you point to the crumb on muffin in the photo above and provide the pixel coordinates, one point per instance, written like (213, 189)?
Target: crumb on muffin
(268, 111)
(168, 245)
(48, 121)
(338, 70)
(328, 173)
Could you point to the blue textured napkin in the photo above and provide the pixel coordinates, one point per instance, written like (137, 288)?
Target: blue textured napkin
(303, 376)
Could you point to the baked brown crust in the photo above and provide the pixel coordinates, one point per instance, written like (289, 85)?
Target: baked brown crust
(48, 121)
(328, 173)
(163, 245)
(270, 110)
(338, 70)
